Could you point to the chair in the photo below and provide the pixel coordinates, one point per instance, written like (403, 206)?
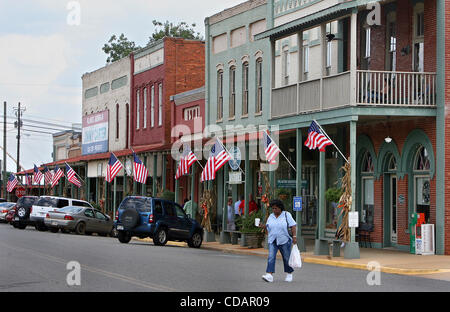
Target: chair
(364, 231)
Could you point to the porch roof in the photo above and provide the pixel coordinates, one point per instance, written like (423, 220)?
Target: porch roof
(311, 20)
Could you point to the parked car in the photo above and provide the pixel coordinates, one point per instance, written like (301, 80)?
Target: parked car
(5, 207)
(46, 204)
(22, 212)
(81, 220)
(159, 219)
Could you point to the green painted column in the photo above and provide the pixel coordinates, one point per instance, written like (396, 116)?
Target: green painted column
(164, 169)
(246, 188)
(115, 196)
(155, 175)
(300, 241)
(440, 125)
(321, 246)
(225, 238)
(352, 248)
(193, 183)
(144, 185)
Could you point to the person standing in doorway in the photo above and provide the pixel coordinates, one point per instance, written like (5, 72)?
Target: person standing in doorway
(230, 215)
(236, 207)
(279, 239)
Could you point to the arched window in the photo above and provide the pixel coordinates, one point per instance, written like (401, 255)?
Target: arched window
(220, 95)
(259, 87)
(232, 101)
(367, 164)
(422, 162)
(392, 165)
(422, 182)
(245, 89)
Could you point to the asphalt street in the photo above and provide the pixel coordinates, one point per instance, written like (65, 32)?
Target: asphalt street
(37, 262)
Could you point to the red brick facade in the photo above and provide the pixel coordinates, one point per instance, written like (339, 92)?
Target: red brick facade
(447, 130)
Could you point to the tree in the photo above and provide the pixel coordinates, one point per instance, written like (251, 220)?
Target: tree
(182, 30)
(118, 48)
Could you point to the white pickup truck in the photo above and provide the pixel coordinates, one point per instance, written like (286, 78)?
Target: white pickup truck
(45, 204)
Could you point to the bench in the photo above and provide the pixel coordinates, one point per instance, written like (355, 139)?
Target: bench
(234, 236)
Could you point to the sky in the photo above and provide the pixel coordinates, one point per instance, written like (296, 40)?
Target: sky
(47, 45)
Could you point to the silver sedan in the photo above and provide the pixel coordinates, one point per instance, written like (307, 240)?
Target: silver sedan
(81, 220)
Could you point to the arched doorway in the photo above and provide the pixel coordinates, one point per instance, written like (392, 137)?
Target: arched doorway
(422, 180)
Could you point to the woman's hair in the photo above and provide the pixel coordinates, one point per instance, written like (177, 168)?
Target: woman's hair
(278, 203)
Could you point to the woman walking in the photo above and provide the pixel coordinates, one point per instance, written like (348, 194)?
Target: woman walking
(279, 239)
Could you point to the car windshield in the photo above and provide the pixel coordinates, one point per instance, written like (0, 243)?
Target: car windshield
(26, 201)
(140, 203)
(47, 202)
(70, 209)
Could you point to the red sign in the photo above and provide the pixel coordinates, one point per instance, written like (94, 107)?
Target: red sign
(20, 191)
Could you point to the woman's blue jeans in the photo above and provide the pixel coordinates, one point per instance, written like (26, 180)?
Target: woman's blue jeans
(285, 253)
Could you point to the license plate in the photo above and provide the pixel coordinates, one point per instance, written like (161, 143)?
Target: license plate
(119, 227)
(16, 219)
(54, 223)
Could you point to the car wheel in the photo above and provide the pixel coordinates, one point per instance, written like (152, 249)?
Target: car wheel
(41, 228)
(124, 237)
(80, 229)
(196, 240)
(22, 212)
(54, 230)
(15, 225)
(130, 218)
(160, 238)
(65, 231)
(102, 234)
(113, 232)
(21, 226)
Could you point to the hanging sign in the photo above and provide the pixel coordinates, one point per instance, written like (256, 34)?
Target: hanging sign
(235, 178)
(353, 219)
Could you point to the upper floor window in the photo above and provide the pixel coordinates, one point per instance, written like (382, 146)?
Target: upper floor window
(306, 59)
(160, 103)
(219, 94)
(259, 87)
(145, 108)
(245, 88)
(138, 109)
(367, 32)
(117, 121)
(286, 64)
(232, 102)
(418, 38)
(422, 161)
(367, 164)
(152, 95)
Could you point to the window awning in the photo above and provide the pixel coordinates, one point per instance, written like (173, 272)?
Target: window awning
(312, 20)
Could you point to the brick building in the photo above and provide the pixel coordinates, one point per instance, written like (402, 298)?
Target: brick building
(167, 67)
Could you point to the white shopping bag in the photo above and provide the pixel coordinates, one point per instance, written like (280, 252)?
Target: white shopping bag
(295, 260)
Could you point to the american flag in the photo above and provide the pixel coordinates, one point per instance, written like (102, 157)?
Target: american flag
(113, 168)
(72, 177)
(270, 148)
(140, 173)
(28, 179)
(12, 182)
(58, 174)
(48, 176)
(37, 175)
(218, 157)
(186, 161)
(316, 139)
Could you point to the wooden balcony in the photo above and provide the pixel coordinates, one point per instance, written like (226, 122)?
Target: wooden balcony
(370, 88)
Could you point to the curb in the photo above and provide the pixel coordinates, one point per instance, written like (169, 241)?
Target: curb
(335, 263)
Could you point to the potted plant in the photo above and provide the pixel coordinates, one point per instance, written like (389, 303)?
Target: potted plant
(333, 195)
(254, 234)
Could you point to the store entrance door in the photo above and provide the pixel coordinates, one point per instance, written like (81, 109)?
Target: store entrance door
(393, 208)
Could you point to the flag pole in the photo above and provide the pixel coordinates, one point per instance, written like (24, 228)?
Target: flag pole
(230, 155)
(331, 141)
(282, 153)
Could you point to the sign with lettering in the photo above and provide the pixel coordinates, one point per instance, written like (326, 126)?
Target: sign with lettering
(353, 219)
(235, 178)
(95, 133)
(298, 203)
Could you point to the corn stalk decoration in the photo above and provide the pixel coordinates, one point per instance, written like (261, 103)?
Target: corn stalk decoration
(207, 212)
(345, 203)
(265, 198)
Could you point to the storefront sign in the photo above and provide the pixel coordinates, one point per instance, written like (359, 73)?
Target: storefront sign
(95, 133)
(287, 184)
(235, 178)
(235, 162)
(298, 203)
(353, 219)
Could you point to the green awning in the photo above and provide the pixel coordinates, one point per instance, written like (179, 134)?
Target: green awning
(312, 20)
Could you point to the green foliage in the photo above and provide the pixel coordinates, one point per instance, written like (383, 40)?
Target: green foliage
(118, 48)
(168, 29)
(168, 195)
(333, 194)
(246, 224)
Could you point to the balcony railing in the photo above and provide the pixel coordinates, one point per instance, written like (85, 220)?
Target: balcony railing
(373, 88)
(396, 88)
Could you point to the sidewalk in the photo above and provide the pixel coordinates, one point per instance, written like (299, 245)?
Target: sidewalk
(391, 261)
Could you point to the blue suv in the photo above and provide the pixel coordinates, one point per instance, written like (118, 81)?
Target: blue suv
(159, 219)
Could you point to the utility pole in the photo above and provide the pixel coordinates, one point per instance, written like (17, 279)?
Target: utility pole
(4, 150)
(18, 112)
